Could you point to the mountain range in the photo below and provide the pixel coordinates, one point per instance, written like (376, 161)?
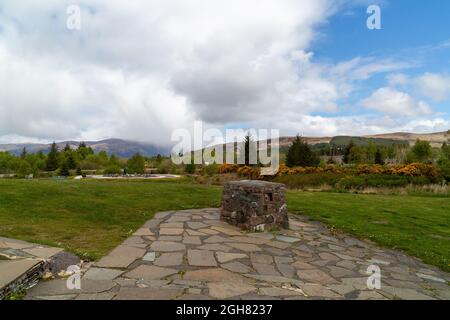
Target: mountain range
(119, 147)
(126, 148)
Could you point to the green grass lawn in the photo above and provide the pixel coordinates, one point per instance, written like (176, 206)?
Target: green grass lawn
(90, 217)
(420, 226)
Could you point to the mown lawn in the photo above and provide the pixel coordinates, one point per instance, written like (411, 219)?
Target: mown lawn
(420, 226)
(90, 217)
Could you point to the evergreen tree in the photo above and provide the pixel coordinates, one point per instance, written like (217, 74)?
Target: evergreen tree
(347, 151)
(248, 147)
(71, 162)
(379, 157)
(300, 154)
(84, 151)
(52, 158)
(23, 155)
(64, 171)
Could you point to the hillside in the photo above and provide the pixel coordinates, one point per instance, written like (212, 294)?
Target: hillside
(126, 148)
(436, 139)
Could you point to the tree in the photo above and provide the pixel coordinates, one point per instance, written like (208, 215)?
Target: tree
(247, 147)
(445, 150)
(24, 169)
(113, 160)
(64, 171)
(83, 151)
(371, 151)
(190, 167)
(347, 150)
(421, 151)
(356, 155)
(136, 164)
(113, 169)
(69, 157)
(52, 158)
(71, 162)
(300, 154)
(379, 157)
(23, 155)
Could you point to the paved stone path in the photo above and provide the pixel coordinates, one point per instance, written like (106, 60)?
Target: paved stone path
(193, 255)
(21, 263)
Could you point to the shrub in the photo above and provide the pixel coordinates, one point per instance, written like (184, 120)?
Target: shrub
(249, 172)
(189, 168)
(136, 164)
(350, 181)
(24, 169)
(227, 168)
(112, 169)
(210, 169)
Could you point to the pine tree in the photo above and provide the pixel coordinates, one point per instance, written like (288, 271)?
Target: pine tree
(71, 162)
(23, 155)
(52, 158)
(379, 157)
(347, 151)
(248, 147)
(300, 154)
(64, 171)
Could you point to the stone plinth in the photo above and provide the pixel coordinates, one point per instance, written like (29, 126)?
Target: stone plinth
(255, 205)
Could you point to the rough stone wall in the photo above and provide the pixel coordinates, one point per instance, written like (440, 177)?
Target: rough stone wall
(255, 205)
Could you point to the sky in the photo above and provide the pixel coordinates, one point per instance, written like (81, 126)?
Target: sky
(141, 69)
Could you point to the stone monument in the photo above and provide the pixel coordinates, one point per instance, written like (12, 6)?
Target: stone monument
(255, 205)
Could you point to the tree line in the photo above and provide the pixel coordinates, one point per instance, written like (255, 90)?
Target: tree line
(69, 161)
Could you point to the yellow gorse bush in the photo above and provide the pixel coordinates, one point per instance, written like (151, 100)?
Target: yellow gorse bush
(412, 170)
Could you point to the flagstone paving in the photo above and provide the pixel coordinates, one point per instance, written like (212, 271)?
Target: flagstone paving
(193, 255)
(21, 264)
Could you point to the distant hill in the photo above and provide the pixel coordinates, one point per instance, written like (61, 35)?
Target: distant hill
(436, 139)
(364, 141)
(121, 148)
(126, 148)
(401, 138)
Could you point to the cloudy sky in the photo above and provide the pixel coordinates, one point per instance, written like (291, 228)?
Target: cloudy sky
(140, 69)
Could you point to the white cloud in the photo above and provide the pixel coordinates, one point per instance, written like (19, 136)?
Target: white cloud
(398, 80)
(434, 86)
(390, 101)
(140, 69)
